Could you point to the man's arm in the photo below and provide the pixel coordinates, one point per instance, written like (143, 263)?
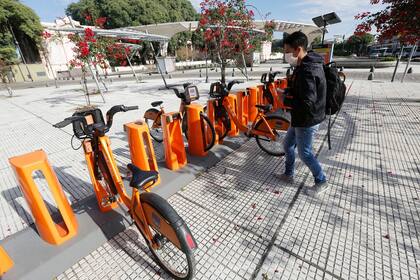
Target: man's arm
(308, 92)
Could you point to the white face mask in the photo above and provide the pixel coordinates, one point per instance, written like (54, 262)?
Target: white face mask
(291, 59)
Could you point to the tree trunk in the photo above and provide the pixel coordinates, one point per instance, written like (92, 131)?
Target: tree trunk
(223, 72)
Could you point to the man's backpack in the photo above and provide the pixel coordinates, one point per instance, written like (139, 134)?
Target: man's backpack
(336, 93)
(336, 89)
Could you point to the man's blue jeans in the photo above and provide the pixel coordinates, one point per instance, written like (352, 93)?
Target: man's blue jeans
(302, 138)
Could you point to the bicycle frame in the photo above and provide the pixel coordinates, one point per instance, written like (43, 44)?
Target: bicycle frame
(267, 132)
(102, 195)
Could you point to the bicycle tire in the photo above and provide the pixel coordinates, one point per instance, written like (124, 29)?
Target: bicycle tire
(210, 144)
(261, 140)
(184, 124)
(150, 117)
(160, 215)
(222, 117)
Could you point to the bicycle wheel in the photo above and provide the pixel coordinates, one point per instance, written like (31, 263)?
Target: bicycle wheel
(184, 124)
(278, 125)
(208, 131)
(222, 123)
(176, 245)
(152, 118)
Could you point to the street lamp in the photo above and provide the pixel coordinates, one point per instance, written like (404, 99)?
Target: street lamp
(323, 21)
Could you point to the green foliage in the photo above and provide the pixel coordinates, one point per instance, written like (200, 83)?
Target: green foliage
(277, 45)
(122, 13)
(357, 44)
(25, 24)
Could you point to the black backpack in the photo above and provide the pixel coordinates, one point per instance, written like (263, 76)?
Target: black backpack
(336, 93)
(336, 89)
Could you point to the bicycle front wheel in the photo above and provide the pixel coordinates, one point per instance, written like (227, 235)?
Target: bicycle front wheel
(278, 126)
(209, 136)
(175, 244)
(152, 118)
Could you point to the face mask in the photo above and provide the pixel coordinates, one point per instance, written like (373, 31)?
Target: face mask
(291, 59)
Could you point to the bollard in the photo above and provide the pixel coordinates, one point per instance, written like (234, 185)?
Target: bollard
(233, 101)
(141, 148)
(196, 135)
(211, 115)
(252, 101)
(6, 262)
(233, 72)
(24, 167)
(371, 76)
(243, 107)
(200, 73)
(410, 70)
(260, 95)
(175, 155)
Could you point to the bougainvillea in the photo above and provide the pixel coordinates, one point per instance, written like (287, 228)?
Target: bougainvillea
(400, 19)
(227, 28)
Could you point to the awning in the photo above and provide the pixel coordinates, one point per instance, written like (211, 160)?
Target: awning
(125, 33)
(172, 28)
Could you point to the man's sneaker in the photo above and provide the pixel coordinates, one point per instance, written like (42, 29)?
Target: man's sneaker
(318, 188)
(285, 178)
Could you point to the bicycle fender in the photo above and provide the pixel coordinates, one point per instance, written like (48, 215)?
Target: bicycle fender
(188, 242)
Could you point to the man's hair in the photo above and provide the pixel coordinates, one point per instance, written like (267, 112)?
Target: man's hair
(297, 39)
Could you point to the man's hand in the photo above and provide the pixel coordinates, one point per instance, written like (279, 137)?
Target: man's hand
(280, 91)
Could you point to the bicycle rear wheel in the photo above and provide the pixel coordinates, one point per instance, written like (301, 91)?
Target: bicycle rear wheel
(222, 123)
(208, 131)
(152, 118)
(279, 127)
(175, 253)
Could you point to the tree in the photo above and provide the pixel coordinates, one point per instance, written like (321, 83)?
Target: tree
(400, 19)
(122, 13)
(227, 28)
(359, 43)
(22, 22)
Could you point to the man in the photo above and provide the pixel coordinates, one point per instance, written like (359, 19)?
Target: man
(308, 88)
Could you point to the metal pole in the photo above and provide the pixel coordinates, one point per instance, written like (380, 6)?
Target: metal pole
(20, 52)
(323, 32)
(413, 50)
(131, 66)
(157, 63)
(207, 66)
(398, 62)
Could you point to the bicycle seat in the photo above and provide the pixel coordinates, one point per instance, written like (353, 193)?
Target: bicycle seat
(140, 177)
(265, 108)
(157, 103)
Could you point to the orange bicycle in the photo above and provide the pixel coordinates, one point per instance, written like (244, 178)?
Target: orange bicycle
(190, 93)
(269, 128)
(165, 232)
(270, 93)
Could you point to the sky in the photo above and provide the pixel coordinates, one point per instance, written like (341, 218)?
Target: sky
(289, 10)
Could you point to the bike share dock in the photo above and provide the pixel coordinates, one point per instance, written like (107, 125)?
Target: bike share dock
(248, 225)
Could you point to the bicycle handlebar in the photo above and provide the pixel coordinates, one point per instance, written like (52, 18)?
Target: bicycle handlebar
(232, 83)
(116, 109)
(68, 121)
(271, 77)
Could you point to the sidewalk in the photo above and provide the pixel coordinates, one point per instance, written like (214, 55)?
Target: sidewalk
(248, 224)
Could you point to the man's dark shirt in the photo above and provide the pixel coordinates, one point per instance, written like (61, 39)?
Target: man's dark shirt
(309, 90)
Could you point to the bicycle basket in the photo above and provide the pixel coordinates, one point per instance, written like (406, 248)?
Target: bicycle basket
(92, 117)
